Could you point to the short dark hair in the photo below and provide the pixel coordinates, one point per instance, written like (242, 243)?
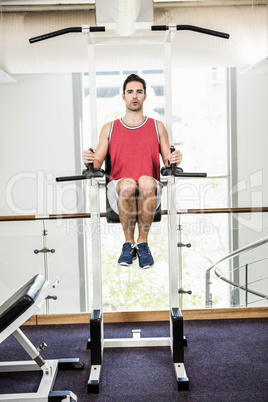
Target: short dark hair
(134, 77)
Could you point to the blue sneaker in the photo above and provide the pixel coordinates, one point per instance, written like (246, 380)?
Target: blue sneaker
(129, 253)
(145, 257)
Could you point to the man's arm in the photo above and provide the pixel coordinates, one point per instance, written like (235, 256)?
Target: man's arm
(174, 157)
(101, 151)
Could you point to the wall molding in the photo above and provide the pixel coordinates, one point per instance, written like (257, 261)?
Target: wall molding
(140, 316)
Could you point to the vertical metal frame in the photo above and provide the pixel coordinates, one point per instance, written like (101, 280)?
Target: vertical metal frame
(84, 293)
(96, 244)
(171, 185)
(93, 185)
(92, 91)
(172, 243)
(168, 79)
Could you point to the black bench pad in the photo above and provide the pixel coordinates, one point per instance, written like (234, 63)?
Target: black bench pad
(18, 303)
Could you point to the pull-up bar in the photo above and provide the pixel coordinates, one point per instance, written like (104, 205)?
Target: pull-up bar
(170, 29)
(87, 29)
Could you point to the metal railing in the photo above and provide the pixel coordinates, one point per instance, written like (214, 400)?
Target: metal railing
(243, 287)
(208, 299)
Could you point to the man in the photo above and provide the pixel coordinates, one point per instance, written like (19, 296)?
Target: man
(134, 144)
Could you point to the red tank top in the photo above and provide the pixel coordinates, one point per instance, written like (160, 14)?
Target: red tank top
(134, 151)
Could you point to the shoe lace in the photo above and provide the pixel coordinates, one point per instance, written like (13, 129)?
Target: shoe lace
(144, 249)
(127, 249)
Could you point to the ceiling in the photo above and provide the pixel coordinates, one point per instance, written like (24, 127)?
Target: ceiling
(40, 5)
(24, 19)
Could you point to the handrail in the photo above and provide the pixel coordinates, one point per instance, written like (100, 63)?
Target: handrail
(244, 287)
(229, 256)
(240, 251)
(225, 210)
(83, 215)
(18, 218)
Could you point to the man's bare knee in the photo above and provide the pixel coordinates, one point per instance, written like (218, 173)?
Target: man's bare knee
(126, 188)
(147, 186)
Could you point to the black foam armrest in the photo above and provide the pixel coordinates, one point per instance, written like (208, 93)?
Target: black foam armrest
(166, 171)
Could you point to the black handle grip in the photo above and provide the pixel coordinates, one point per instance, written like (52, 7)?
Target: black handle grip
(159, 28)
(90, 168)
(55, 33)
(173, 165)
(203, 31)
(63, 32)
(72, 178)
(192, 28)
(97, 29)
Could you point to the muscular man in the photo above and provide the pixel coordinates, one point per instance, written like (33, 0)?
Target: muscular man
(134, 190)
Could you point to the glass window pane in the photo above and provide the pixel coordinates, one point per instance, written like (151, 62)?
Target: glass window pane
(200, 119)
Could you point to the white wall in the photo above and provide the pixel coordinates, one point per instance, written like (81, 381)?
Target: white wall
(252, 144)
(36, 145)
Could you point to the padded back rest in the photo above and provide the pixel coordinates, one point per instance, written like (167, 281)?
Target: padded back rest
(18, 303)
(111, 216)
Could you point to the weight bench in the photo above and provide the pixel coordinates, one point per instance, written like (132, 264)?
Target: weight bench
(13, 313)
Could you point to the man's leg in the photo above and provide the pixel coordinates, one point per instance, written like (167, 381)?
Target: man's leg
(127, 207)
(147, 204)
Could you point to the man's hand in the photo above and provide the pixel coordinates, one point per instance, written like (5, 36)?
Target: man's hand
(175, 157)
(88, 157)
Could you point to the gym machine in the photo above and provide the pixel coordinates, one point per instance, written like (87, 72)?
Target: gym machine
(176, 341)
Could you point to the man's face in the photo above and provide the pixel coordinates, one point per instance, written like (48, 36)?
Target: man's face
(134, 96)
